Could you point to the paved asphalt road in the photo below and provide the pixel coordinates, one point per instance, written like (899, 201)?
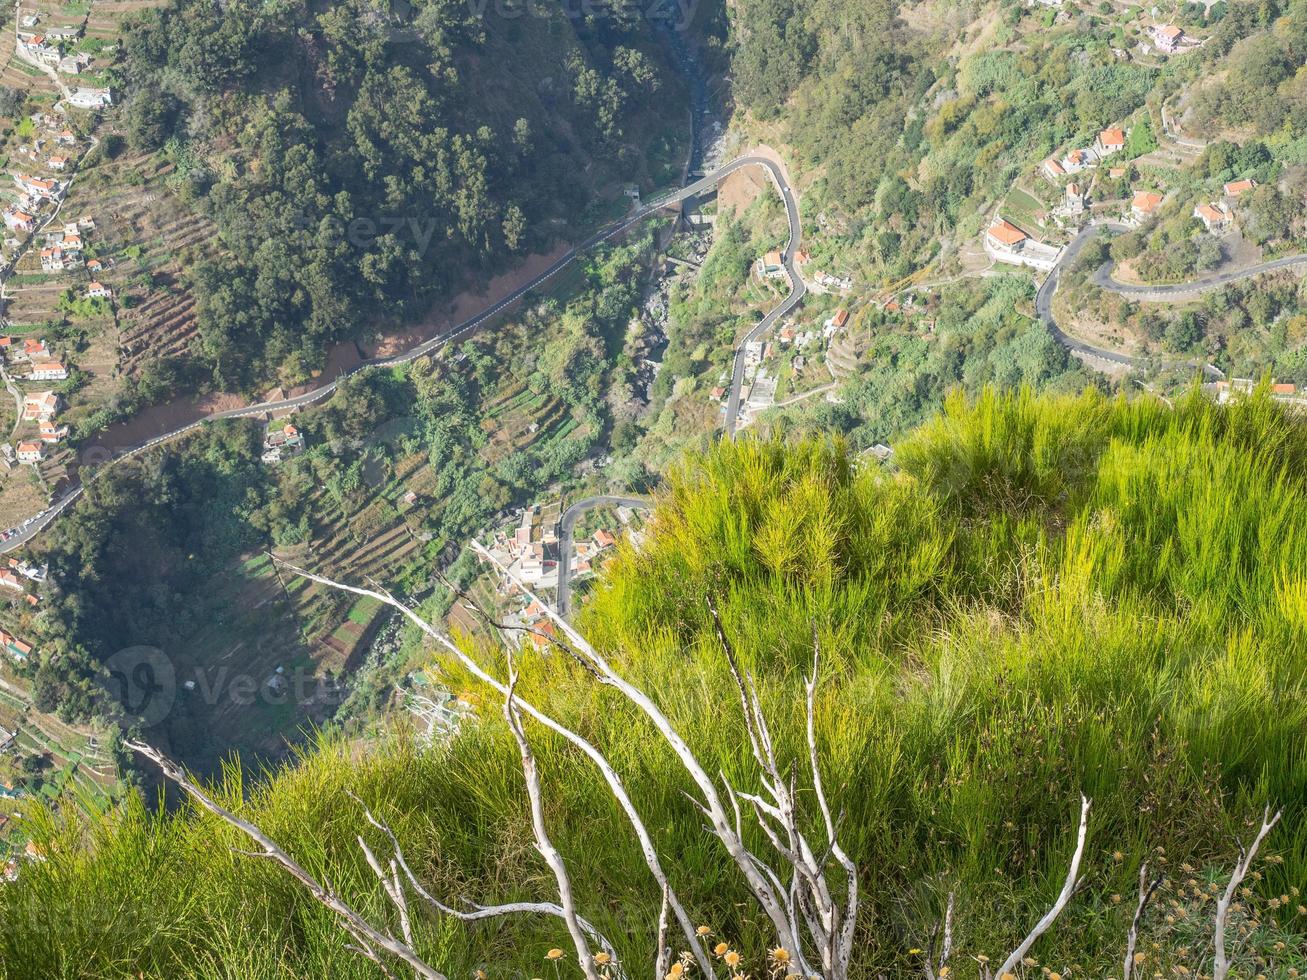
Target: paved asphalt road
(24, 532)
(565, 528)
(1102, 278)
(797, 289)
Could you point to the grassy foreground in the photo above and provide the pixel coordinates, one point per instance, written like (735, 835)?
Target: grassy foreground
(1049, 596)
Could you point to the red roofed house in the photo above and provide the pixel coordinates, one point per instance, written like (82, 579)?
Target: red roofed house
(98, 290)
(1167, 37)
(1237, 187)
(52, 259)
(604, 539)
(1110, 141)
(1052, 169)
(770, 266)
(15, 647)
(19, 221)
(1006, 242)
(1144, 204)
(9, 580)
(41, 405)
(1003, 235)
(1213, 217)
(50, 432)
(542, 642)
(58, 163)
(30, 452)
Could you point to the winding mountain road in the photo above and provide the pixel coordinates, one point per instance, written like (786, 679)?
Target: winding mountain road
(1178, 292)
(25, 532)
(566, 527)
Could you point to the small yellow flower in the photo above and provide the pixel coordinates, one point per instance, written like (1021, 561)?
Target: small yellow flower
(1116, 899)
(780, 955)
(1055, 976)
(1118, 857)
(732, 958)
(602, 958)
(719, 949)
(478, 975)
(1008, 976)
(944, 972)
(1140, 957)
(677, 971)
(1030, 961)
(703, 931)
(554, 954)
(914, 951)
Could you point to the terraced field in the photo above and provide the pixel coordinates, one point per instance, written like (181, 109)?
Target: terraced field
(146, 238)
(78, 761)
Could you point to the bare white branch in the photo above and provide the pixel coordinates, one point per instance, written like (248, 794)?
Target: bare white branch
(613, 780)
(369, 937)
(1221, 964)
(1146, 890)
(772, 904)
(543, 844)
(1068, 888)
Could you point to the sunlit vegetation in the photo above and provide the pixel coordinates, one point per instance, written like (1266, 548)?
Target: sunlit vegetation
(1041, 596)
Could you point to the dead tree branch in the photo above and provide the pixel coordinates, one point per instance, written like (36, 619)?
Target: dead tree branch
(1068, 889)
(611, 778)
(543, 844)
(1146, 891)
(369, 938)
(1221, 965)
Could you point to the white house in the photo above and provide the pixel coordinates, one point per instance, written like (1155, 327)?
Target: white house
(1167, 37)
(98, 290)
(41, 405)
(16, 220)
(30, 452)
(48, 371)
(1110, 141)
(90, 98)
(1213, 216)
(50, 432)
(770, 266)
(1005, 242)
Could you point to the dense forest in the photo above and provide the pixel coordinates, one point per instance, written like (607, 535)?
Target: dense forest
(1040, 597)
(362, 163)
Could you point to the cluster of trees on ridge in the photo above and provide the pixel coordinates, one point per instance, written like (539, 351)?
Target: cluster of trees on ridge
(360, 164)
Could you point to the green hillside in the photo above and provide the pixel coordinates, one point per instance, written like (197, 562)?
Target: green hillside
(1042, 597)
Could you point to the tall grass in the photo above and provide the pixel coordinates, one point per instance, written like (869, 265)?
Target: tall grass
(1047, 596)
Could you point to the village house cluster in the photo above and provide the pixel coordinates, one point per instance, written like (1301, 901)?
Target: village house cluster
(34, 357)
(529, 549)
(51, 47)
(14, 578)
